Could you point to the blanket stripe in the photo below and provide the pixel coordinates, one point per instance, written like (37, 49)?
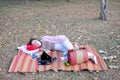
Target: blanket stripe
(22, 62)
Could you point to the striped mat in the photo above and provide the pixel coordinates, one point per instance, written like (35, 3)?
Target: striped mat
(22, 62)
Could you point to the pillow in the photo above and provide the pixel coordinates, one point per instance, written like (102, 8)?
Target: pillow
(32, 47)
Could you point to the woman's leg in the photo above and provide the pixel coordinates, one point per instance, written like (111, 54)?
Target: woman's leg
(67, 44)
(61, 48)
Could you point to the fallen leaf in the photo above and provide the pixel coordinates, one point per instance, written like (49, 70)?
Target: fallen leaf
(111, 48)
(55, 71)
(33, 72)
(3, 57)
(95, 78)
(113, 67)
(97, 71)
(101, 51)
(118, 46)
(116, 61)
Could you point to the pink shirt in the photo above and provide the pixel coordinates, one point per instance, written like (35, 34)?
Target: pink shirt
(54, 39)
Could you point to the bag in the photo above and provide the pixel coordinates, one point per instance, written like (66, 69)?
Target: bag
(77, 56)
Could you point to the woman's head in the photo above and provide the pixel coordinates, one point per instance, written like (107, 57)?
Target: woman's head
(35, 42)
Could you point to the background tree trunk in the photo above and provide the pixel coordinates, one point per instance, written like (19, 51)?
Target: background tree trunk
(103, 9)
(27, 2)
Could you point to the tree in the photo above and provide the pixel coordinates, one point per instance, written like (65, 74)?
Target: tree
(103, 9)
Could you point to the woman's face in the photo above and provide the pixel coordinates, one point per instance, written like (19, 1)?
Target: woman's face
(36, 43)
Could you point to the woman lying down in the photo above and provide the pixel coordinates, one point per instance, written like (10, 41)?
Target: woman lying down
(59, 42)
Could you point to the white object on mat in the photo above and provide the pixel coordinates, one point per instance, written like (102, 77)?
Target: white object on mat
(24, 49)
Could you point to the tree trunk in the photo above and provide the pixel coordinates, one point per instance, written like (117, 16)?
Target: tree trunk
(103, 9)
(27, 2)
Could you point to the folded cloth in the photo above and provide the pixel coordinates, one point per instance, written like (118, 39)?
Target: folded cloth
(43, 62)
(24, 49)
(46, 62)
(34, 56)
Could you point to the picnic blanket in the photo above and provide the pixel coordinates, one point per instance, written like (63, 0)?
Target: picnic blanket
(22, 62)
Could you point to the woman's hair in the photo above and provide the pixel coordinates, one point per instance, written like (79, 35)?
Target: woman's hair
(30, 42)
